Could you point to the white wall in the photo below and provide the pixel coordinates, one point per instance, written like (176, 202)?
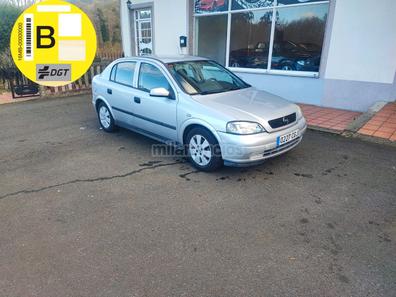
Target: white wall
(363, 41)
(170, 21)
(125, 29)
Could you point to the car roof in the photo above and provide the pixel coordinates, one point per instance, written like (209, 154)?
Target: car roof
(165, 59)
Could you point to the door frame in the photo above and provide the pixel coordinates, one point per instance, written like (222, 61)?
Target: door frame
(151, 123)
(135, 25)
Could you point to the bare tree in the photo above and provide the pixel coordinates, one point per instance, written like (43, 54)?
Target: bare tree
(19, 3)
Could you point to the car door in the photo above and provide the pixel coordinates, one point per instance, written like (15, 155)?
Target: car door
(156, 115)
(121, 92)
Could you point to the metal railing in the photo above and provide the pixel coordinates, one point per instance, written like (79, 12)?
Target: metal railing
(12, 80)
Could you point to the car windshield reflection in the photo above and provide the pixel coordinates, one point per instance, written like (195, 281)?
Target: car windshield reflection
(205, 77)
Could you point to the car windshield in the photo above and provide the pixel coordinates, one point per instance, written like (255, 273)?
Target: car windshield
(205, 77)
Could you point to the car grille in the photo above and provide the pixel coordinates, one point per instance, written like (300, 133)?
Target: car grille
(283, 121)
(281, 147)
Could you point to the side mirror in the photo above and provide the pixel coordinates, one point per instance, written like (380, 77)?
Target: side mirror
(160, 92)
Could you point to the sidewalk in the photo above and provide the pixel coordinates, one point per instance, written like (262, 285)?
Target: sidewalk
(6, 98)
(382, 125)
(333, 119)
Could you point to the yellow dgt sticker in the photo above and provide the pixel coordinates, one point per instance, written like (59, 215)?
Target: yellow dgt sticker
(53, 43)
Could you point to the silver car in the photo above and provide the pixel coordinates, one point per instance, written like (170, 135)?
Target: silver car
(198, 105)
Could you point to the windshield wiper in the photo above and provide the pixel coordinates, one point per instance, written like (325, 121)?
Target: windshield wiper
(234, 89)
(211, 92)
(219, 91)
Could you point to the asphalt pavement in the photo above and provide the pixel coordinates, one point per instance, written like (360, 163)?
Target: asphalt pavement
(86, 213)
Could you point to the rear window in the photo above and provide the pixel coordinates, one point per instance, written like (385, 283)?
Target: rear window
(123, 73)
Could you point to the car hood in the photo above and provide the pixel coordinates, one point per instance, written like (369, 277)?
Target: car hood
(249, 104)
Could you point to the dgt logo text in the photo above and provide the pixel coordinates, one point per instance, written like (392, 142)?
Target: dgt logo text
(53, 72)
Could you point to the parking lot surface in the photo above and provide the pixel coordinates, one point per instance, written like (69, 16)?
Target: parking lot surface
(86, 213)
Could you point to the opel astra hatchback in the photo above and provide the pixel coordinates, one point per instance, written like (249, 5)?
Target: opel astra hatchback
(198, 105)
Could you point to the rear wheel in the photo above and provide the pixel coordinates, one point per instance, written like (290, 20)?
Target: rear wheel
(203, 150)
(106, 120)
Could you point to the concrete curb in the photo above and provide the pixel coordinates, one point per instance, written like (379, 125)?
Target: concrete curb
(361, 120)
(371, 139)
(351, 134)
(327, 130)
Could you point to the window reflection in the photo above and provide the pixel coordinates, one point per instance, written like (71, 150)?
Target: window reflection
(286, 2)
(298, 39)
(212, 37)
(207, 6)
(250, 36)
(249, 4)
(124, 73)
(151, 77)
(145, 14)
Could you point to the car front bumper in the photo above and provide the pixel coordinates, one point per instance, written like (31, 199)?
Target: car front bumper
(246, 150)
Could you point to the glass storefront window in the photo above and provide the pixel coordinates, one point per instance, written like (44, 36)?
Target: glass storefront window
(212, 37)
(270, 35)
(208, 6)
(250, 38)
(298, 39)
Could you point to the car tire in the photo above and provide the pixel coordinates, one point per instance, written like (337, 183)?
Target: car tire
(287, 67)
(105, 118)
(235, 64)
(203, 150)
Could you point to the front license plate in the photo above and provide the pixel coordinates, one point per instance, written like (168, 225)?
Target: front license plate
(286, 138)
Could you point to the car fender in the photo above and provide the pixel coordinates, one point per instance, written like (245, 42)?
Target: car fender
(196, 121)
(106, 102)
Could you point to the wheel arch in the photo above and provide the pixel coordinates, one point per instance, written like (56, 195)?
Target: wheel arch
(189, 125)
(102, 99)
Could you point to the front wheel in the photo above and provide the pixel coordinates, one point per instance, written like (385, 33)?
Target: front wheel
(203, 150)
(106, 120)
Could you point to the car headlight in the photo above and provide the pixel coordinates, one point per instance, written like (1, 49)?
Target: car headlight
(301, 62)
(244, 128)
(299, 112)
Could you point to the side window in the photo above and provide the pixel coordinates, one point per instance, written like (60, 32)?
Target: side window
(150, 77)
(124, 73)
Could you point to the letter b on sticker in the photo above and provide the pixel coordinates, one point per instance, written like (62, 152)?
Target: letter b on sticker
(45, 33)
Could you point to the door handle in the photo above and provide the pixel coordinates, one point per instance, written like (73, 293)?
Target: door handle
(109, 91)
(137, 100)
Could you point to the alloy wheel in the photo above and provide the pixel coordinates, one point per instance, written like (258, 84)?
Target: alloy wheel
(104, 116)
(200, 150)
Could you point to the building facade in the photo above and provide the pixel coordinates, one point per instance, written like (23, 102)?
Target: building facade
(336, 53)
